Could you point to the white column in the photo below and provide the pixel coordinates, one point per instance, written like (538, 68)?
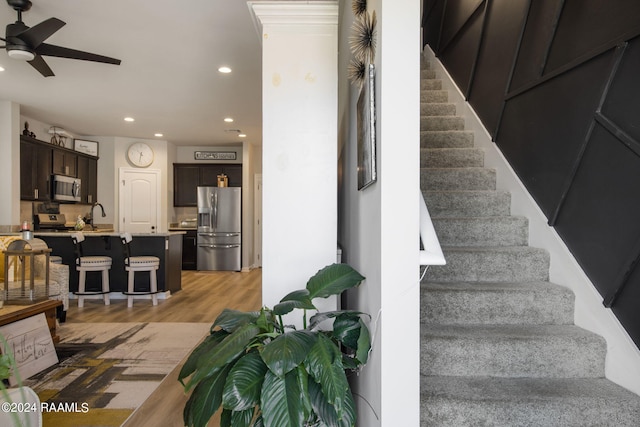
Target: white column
(299, 101)
(9, 164)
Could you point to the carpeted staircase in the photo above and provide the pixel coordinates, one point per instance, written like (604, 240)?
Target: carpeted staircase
(499, 347)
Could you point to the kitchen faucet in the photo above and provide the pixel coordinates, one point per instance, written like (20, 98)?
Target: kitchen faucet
(93, 224)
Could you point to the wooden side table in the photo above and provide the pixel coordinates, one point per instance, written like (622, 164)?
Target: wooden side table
(13, 313)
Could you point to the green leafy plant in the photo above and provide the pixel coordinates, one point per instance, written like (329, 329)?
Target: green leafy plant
(8, 366)
(263, 373)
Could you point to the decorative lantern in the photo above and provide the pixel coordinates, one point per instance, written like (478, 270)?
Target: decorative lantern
(26, 272)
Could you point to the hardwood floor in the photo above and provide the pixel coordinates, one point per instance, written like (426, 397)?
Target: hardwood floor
(203, 297)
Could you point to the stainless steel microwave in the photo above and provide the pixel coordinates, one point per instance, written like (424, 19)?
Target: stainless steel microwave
(66, 188)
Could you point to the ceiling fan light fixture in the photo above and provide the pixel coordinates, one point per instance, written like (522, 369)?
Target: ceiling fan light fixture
(22, 55)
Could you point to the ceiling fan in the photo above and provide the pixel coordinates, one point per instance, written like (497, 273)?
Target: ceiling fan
(26, 43)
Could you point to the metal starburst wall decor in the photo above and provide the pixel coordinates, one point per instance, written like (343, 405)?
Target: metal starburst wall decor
(363, 45)
(356, 71)
(359, 7)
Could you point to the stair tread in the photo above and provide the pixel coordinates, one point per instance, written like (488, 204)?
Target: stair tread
(493, 249)
(496, 303)
(527, 389)
(428, 150)
(492, 218)
(520, 331)
(495, 286)
(508, 402)
(461, 169)
(464, 192)
(446, 131)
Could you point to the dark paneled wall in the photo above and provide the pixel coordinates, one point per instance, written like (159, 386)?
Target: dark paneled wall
(557, 85)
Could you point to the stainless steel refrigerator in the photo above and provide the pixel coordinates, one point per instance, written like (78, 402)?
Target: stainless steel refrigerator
(219, 228)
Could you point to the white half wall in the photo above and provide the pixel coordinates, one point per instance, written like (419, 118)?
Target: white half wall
(379, 225)
(299, 142)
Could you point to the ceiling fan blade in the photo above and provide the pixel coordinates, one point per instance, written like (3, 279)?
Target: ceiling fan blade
(35, 35)
(39, 64)
(64, 52)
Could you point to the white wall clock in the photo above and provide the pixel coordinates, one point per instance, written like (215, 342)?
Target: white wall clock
(140, 154)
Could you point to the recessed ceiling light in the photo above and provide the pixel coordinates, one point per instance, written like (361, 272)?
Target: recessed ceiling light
(1, 69)
(129, 119)
(228, 119)
(242, 135)
(158, 134)
(224, 70)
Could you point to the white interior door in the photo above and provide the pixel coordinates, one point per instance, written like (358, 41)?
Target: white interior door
(139, 200)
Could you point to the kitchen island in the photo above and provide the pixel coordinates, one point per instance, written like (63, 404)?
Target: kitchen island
(166, 246)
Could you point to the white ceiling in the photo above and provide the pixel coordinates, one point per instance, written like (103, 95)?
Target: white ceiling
(168, 80)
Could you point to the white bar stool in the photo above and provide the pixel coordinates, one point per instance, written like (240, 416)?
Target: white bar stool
(90, 263)
(139, 263)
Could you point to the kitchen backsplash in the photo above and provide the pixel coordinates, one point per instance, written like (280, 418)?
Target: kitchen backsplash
(70, 211)
(184, 213)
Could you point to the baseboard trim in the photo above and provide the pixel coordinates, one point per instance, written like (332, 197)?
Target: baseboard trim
(622, 364)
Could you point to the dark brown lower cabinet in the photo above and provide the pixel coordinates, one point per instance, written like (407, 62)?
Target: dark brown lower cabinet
(189, 250)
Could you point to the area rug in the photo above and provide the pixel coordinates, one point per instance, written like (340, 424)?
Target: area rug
(107, 370)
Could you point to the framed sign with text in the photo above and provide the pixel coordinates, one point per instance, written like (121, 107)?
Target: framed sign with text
(87, 147)
(214, 155)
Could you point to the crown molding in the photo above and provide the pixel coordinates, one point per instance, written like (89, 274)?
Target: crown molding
(292, 12)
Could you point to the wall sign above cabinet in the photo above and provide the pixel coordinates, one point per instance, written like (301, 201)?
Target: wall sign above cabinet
(87, 147)
(214, 155)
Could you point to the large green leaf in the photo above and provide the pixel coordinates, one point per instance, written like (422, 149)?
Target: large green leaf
(318, 318)
(364, 344)
(346, 329)
(280, 401)
(230, 418)
(244, 383)
(351, 331)
(349, 362)
(230, 320)
(225, 418)
(232, 346)
(203, 348)
(324, 363)
(333, 280)
(296, 299)
(303, 382)
(265, 321)
(287, 351)
(259, 422)
(205, 399)
(327, 412)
